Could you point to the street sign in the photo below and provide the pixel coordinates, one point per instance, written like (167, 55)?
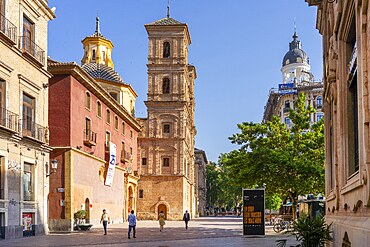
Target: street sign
(287, 88)
(253, 211)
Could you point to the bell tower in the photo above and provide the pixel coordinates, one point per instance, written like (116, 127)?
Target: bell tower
(166, 142)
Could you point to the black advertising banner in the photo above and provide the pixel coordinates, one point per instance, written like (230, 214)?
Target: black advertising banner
(253, 211)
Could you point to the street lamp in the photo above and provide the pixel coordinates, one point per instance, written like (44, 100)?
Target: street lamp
(54, 166)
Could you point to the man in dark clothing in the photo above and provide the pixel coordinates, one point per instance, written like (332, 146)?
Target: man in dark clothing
(132, 223)
(186, 218)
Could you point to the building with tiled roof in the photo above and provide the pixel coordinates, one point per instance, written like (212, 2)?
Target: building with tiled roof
(97, 62)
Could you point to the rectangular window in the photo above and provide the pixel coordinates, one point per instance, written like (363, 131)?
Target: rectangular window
(3, 114)
(353, 147)
(123, 152)
(103, 56)
(319, 116)
(107, 138)
(352, 100)
(28, 182)
(28, 114)
(131, 134)
(28, 35)
(87, 124)
(2, 224)
(2, 95)
(166, 162)
(166, 128)
(123, 128)
(131, 152)
(2, 177)
(2, 8)
(141, 193)
(143, 161)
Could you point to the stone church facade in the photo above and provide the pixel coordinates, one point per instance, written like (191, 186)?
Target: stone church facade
(166, 142)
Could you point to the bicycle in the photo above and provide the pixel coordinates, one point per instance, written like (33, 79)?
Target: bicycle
(281, 226)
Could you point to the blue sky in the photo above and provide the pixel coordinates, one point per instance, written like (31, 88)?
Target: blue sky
(237, 48)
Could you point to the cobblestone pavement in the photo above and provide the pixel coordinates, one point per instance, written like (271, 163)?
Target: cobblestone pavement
(205, 231)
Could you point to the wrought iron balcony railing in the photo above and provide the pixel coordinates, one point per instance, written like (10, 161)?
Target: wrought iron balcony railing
(29, 46)
(89, 138)
(32, 129)
(8, 29)
(9, 120)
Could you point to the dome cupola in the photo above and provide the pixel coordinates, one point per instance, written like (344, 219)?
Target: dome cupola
(295, 53)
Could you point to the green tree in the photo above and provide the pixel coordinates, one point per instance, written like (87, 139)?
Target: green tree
(289, 160)
(221, 192)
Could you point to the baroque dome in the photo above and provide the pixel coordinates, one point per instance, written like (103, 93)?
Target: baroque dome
(295, 53)
(103, 72)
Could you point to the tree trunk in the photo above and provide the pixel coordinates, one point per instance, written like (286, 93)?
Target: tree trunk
(293, 199)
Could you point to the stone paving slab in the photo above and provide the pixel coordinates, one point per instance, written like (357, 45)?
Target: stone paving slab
(210, 231)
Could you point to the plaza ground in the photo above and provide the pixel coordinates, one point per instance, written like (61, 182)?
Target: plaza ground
(205, 231)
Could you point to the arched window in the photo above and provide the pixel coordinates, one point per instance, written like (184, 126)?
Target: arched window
(166, 50)
(166, 85)
(319, 102)
(114, 95)
(123, 128)
(98, 108)
(116, 122)
(108, 116)
(87, 100)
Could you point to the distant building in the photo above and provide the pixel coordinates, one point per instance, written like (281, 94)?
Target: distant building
(94, 139)
(166, 143)
(296, 79)
(344, 26)
(24, 140)
(200, 181)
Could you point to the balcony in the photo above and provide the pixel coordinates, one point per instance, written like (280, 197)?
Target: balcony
(125, 156)
(9, 120)
(8, 30)
(33, 130)
(89, 138)
(32, 49)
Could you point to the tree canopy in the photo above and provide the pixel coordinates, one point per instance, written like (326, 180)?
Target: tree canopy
(221, 193)
(288, 159)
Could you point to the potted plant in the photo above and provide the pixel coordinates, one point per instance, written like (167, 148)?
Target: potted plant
(310, 231)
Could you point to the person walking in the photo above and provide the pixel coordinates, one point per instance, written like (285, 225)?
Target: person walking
(132, 224)
(186, 218)
(161, 217)
(106, 220)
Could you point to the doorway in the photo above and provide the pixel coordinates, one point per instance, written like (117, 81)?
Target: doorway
(162, 207)
(87, 209)
(130, 204)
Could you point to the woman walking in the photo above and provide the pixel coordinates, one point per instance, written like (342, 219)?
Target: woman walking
(161, 217)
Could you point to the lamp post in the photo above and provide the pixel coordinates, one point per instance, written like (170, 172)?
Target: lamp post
(54, 166)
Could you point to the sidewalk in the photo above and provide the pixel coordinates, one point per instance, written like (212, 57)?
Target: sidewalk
(207, 231)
